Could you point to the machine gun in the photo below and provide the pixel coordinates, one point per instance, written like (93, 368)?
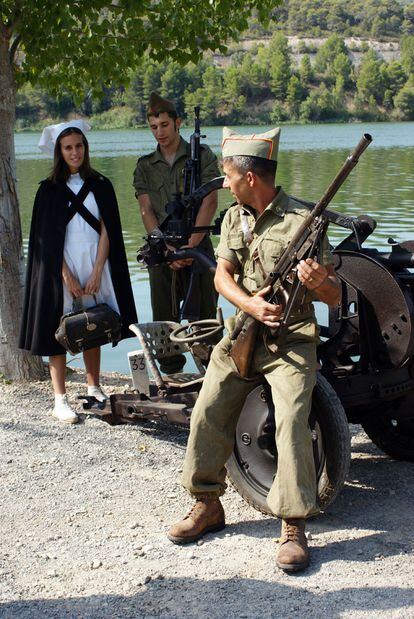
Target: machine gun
(180, 224)
(192, 168)
(182, 212)
(177, 230)
(302, 245)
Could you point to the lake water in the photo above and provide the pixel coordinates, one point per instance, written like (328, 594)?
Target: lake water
(382, 185)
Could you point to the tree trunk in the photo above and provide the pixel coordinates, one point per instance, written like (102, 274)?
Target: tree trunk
(14, 363)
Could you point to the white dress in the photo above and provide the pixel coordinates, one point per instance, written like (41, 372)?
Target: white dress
(80, 250)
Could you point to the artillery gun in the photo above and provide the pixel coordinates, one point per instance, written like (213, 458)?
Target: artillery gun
(366, 358)
(366, 372)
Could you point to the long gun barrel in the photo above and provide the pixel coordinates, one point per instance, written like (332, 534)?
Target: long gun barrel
(245, 331)
(192, 170)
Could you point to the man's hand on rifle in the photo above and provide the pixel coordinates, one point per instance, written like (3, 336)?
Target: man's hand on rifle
(322, 280)
(176, 265)
(311, 273)
(267, 313)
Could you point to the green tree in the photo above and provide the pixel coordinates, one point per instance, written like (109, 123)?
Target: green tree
(320, 105)
(306, 72)
(152, 78)
(394, 76)
(332, 60)
(404, 102)
(134, 93)
(342, 69)
(262, 60)
(279, 65)
(29, 104)
(388, 99)
(370, 81)
(385, 18)
(294, 96)
(407, 53)
(86, 47)
(278, 113)
(196, 71)
(234, 84)
(339, 93)
(174, 82)
(208, 97)
(254, 77)
(408, 23)
(361, 18)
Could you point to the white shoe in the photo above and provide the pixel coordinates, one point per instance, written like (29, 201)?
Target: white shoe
(63, 411)
(98, 393)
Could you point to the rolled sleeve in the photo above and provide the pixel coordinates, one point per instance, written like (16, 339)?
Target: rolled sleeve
(223, 249)
(140, 181)
(209, 165)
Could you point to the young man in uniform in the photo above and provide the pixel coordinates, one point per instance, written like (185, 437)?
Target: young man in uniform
(254, 234)
(157, 177)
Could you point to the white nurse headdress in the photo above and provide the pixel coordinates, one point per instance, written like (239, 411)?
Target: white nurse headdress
(51, 133)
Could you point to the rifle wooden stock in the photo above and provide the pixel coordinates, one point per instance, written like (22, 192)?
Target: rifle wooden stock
(246, 329)
(242, 348)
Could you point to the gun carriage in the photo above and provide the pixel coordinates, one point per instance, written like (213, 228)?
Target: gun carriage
(366, 358)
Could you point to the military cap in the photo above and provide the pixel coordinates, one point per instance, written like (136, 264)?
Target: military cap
(158, 105)
(264, 145)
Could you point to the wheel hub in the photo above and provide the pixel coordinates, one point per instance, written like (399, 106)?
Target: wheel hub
(255, 446)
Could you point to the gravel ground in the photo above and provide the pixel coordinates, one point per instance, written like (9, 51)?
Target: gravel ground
(84, 510)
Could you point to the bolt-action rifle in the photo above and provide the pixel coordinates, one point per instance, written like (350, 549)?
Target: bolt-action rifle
(303, 245)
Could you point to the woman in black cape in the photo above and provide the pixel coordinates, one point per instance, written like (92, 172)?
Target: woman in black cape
(69, 259)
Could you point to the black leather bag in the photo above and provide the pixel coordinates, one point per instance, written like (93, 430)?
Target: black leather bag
(89, 328)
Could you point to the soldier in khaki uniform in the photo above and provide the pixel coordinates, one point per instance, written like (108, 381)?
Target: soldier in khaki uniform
(157, 177)
(254, 234)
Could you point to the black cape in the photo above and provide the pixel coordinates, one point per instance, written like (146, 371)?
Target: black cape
(43, 299)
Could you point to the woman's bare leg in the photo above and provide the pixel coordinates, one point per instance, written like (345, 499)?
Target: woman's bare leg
(57, 367)
(92, 360)
(62, 409)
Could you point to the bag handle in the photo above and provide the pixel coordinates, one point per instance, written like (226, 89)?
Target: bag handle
(77, 304)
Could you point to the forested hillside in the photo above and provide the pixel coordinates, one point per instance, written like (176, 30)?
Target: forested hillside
(367, 19)
(271, 82)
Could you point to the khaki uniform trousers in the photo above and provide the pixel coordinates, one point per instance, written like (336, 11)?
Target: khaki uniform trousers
(291, 374)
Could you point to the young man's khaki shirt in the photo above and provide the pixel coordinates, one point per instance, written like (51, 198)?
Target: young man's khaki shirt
(154, 176)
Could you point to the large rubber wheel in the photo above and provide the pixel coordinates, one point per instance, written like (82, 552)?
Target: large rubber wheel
(391, 428)
(253, 464)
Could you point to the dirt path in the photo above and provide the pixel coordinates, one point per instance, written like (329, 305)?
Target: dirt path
(84, 511)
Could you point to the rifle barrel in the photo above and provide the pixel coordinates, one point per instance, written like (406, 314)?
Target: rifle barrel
(342, 175)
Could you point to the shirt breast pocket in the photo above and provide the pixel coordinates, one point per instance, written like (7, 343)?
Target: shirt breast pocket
(156, 189)
(238, 245)
(270, 251)
(236, 241)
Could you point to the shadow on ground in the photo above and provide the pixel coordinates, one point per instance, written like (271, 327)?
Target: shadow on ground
(241, 598)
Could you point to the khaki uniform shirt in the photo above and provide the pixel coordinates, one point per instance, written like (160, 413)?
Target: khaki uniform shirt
(270, 234)
(154, 176)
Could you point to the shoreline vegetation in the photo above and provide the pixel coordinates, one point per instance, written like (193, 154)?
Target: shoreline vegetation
(313, 62)
(274, 80)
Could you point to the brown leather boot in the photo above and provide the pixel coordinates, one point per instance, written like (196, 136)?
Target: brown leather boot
(293, 554)
(206, 515)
